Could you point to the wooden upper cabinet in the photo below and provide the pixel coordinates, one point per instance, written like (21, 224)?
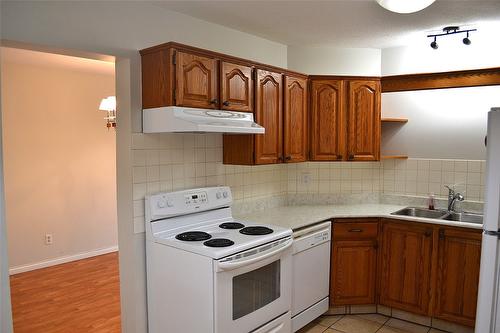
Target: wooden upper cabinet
(295, 119)
(406, 251)
(269, 114)
(459, 255)
(327, 120)
(364, 121)
(236, 87)
(196, 81)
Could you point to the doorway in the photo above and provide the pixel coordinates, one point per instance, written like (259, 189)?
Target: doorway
(60, 192)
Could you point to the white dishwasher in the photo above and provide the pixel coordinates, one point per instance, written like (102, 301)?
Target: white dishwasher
(311, 273)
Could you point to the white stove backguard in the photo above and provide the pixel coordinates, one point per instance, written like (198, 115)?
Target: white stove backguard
(164, 205)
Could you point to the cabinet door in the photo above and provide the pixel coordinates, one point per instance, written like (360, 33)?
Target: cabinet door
(353, 277)
(269, 114)
(327, 120)
(364, 122)
(459, 255)
(406, 266)
(196, 81)
(295, 119)
(236, 87)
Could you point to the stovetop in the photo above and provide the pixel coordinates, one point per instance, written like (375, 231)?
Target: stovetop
(200, 221)
(211, 240)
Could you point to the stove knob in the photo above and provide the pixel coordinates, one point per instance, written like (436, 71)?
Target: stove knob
(161, 203)
(170, 203)
(225, 194)
(218, 195)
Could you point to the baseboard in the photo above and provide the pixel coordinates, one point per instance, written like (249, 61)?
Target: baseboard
(61, 260)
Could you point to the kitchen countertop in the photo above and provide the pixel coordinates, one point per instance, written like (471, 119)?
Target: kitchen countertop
(296, 217)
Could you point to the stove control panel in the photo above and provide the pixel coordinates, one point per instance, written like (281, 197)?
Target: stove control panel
(164, 205)
(196, 198)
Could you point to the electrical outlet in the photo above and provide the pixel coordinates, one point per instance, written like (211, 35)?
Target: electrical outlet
(49, 239)
(306, 177)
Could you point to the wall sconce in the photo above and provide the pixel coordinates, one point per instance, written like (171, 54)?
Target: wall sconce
(108, 104)
(452, 30)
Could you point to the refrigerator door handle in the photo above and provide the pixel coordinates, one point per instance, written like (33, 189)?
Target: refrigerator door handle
(492, 233)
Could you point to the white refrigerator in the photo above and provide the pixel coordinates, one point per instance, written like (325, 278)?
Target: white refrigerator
(488, 306)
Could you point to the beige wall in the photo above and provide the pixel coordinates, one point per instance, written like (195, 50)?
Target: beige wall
(59, 159)
(121, 29)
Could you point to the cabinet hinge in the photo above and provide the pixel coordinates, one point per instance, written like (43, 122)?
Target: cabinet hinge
(174, 58)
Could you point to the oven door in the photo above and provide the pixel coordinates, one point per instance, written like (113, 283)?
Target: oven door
(253, 287)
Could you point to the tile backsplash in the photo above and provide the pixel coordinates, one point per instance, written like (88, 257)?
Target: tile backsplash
(168, 162)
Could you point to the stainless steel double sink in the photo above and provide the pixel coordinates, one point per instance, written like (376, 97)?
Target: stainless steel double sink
(440, 215)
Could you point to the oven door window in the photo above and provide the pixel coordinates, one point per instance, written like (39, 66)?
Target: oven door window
(255, 289)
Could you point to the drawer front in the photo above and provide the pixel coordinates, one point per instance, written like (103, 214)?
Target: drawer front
(355, 230)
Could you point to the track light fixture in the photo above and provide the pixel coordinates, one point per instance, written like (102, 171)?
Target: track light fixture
(434, 44)
(451, 30)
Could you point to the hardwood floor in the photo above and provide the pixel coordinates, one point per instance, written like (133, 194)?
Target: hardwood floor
(78, 297)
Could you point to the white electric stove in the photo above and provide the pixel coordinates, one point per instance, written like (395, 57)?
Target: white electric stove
(208, 272)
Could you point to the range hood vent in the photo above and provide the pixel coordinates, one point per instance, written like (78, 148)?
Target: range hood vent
(176, 119)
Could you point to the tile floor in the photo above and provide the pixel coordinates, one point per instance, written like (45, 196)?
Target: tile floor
(364, 323)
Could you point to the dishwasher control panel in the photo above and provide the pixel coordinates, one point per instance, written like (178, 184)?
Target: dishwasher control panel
(312, 237)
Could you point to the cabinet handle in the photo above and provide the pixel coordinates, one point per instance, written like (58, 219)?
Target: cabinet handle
(428, 233)
(356, 230)
(351, 156)
(339, 157)
(288, 158)
(280, 158)
(225, 103)
(214, 101)
(441, 233)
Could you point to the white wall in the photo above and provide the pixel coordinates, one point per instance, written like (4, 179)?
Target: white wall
(451, 55)
(121, 29)
(326, 60)
(59, 158)
(443, 123)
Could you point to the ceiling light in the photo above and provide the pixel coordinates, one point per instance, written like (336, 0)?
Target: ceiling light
(451, 30)
(405, 6)
(434, 44)
(466, 40)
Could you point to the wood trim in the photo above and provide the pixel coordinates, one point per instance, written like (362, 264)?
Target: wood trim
(456, 79)
(394, 120)
(221, 56)
(394, 157)
(344, 77)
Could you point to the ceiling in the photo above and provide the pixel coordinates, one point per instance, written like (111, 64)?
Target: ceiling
(346, 23)
(43, 59)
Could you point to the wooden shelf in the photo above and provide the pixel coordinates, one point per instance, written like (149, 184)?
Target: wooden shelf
(394, 157)
(394, 120)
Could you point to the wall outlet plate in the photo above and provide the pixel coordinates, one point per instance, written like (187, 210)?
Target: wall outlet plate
(49, 239)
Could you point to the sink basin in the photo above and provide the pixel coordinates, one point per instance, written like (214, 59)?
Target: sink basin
(421, 212)
(464, 217)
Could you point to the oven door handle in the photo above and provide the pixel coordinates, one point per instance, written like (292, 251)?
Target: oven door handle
(229, 265)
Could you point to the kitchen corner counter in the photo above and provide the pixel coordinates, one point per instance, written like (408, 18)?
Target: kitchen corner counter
(296, 217)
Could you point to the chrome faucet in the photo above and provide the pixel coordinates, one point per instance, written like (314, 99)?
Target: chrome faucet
(453, 197)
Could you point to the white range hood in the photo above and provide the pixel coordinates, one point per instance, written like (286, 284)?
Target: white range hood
(182, 119)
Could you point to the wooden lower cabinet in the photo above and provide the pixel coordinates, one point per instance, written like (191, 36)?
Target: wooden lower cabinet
(425, 269)
(459, 255)
(354, 262)
(406, 260)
